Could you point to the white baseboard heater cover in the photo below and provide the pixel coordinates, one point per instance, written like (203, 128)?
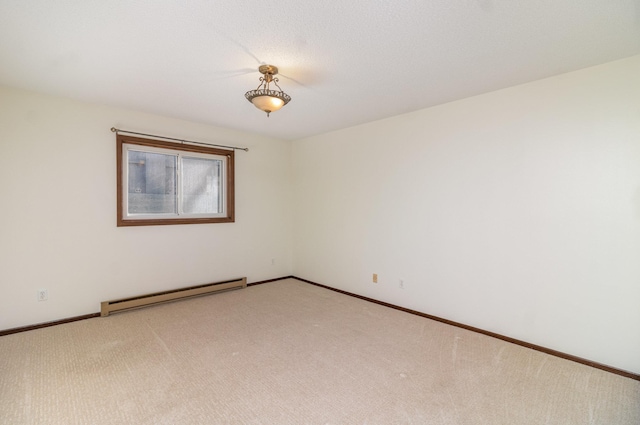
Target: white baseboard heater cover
(108, 307)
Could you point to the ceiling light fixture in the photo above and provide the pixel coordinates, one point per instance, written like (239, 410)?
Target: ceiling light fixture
(264, 98)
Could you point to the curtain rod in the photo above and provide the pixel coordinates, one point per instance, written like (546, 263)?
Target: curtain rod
(117, 130)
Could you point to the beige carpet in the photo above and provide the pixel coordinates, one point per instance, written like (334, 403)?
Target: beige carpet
(288, 352)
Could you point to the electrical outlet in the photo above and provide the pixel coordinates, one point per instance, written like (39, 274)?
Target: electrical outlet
(401, 284)
(43, 294)
(375, 278)
(273, 261)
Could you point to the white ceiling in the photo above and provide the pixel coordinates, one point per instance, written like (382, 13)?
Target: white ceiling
(344, 62)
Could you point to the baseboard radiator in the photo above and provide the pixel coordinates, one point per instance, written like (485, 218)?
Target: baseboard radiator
(108, 307)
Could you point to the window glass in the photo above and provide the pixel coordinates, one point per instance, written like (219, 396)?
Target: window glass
(201, 183)
(152, 183)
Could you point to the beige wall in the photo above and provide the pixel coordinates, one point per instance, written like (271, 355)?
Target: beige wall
(58, 212)
(517, 211)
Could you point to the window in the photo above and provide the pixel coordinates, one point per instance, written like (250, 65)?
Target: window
(170, 183)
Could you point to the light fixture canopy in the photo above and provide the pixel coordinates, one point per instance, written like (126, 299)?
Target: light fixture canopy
(263, 97)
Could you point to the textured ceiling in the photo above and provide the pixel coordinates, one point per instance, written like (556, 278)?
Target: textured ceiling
(343, 62)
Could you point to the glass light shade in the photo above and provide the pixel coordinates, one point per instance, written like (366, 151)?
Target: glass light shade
(267, 100)
(267, 103)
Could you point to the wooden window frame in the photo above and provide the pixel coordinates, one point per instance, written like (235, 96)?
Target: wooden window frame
(229, 193)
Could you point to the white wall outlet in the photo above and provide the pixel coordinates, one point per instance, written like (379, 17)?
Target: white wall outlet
(43, 294)
(401, 284)
(273, 261)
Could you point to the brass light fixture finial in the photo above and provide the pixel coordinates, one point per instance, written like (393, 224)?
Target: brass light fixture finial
(263, 97)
